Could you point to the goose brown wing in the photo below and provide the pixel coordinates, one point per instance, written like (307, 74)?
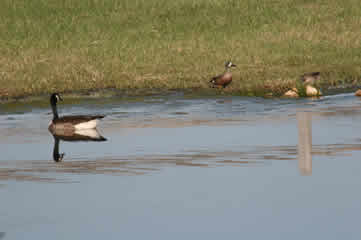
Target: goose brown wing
(76, 119)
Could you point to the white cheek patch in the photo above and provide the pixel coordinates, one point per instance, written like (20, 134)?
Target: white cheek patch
(57, 97)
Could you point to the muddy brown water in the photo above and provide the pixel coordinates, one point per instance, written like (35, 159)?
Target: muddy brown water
(174, 167)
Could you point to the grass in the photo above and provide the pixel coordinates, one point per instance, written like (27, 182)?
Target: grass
(131, 45)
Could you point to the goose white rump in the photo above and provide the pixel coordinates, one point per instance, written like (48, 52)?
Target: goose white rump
(86, 125)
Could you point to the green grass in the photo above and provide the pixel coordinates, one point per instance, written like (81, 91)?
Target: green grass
(51, 45)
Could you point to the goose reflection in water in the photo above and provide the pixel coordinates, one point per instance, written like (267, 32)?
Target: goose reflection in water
(85, 135)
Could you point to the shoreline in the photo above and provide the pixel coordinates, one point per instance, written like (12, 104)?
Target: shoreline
(134, 93)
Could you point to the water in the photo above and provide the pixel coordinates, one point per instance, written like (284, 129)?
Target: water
(174, 167)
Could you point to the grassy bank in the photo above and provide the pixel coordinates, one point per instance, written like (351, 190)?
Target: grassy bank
(51, 45)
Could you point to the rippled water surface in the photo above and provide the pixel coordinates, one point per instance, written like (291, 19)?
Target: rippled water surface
(175, 167)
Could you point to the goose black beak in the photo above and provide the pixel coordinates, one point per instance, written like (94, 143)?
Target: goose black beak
(233, 65)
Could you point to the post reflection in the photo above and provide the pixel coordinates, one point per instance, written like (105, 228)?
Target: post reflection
(304, 147)
(73, 136)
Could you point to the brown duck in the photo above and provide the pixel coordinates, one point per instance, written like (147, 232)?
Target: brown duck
(224, 79)
(78, 122)
(310, 78)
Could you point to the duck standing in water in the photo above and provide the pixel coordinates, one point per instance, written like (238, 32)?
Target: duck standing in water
(78, 122)
(224, 79)
(309, 79)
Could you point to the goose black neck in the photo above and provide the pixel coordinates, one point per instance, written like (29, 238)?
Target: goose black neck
(55, 111)
(56, 155)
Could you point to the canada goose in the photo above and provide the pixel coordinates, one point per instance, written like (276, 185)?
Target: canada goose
(225, 78)
(84, 135)
(71, 122)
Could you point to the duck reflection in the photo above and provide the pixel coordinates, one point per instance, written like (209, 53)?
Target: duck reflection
(85, 135)
(304, 147)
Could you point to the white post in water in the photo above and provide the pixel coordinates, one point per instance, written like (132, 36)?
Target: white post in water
(304, 149)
